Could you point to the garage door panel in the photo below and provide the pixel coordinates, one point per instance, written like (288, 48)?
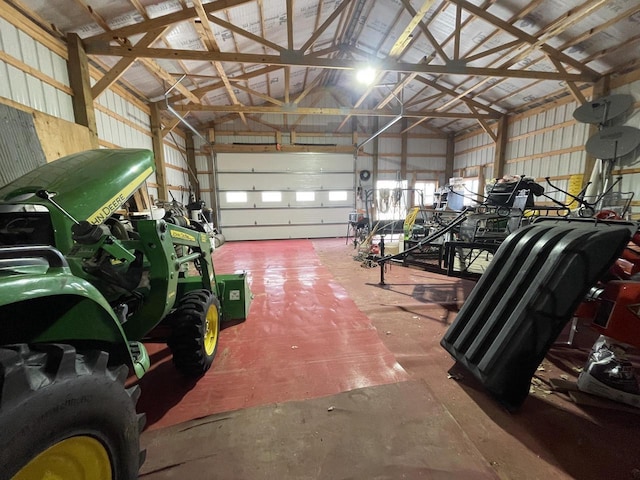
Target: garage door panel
(280, 181)
(254, 200)
(306, 216)
(278, 233)
(277, 162)
(288, 217)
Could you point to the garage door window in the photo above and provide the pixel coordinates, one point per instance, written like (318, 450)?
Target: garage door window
(236, 197)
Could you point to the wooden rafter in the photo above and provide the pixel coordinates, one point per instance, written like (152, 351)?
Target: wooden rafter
(313, 104)
(240, 31)
(290, 24)
(396, 50)
(162, 21)
(316, 81)
(626, 15)
(324, 111)
(263, 31)
(258, 94)
(316, 26)
(485, 125)
(486, 65)
(123, 64)
(403, 39)
(557, 25)
(235, 46)
(575, 91)
(320, 30)
(457, 33)
(534, 41)
(419, 15)
(510, 47)
(200, 92)
(155, 69)
(332, 63)
(208, 39)
(457, 95)
(396, 90)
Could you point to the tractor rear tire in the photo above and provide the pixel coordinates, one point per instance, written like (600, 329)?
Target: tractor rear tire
(65, 414)
(195, 330)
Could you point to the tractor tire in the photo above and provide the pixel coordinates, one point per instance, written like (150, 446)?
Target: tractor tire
(195, 330)
(65, 414)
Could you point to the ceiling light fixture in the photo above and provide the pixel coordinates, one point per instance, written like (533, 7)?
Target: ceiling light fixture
(366, 75)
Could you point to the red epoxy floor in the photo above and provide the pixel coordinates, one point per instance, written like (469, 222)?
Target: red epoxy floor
(304, 338)
(433, 426)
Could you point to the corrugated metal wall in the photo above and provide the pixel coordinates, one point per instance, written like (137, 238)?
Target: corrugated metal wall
(34, 75)
(20, 150)
(177, 168)
(629, 164)
(546, 143)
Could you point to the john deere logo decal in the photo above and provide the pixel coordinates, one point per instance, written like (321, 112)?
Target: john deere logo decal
(182, 236)
(106, 210)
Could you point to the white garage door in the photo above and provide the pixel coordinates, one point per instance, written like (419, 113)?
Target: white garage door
(293, 195)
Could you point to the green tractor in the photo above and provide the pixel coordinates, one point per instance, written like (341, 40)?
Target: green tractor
(82, 284)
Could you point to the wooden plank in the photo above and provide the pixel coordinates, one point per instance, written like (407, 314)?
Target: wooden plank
(501, 146)
(158, 150)
(78, 67)
(293, 59)
(60, 137)
(14, 62)
(119, 68)
(191, 162)
(325, 111)
(141, 200)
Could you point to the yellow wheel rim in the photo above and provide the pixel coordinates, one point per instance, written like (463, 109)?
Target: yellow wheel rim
(211, 334)
(76, 458)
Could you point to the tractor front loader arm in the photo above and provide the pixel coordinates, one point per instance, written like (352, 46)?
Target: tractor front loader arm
(42, 301)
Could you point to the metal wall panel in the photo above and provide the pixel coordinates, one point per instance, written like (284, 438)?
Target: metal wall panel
(20, 150)
(26, 89)
(388, 145)
(388, 163)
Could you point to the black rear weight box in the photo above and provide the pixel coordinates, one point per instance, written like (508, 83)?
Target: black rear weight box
(525, 298)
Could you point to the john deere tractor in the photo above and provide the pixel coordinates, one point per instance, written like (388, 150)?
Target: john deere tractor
(83, 283)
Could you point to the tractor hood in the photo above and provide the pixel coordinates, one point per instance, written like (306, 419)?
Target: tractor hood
(89, 185)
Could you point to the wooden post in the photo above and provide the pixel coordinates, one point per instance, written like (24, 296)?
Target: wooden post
(191, 162)
(501, 147)
(600, 88)
(403, 149)
(78, 67)
(158, 150)
(451, 154)
(213, 178)
(376, 150)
